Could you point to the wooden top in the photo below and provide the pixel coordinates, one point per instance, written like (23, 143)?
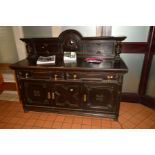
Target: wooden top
(73, 33)
(80, 65)
(120, 38)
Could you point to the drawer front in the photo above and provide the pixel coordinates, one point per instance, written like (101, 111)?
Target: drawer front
(57, 76)
(24, 74)
(91, 76)
(48, 75)
(41, 75)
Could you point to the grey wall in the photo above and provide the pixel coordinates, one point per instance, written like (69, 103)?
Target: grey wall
(132, 78)
(8, 51)
(86, 31)
(133, 33)
(37, 31)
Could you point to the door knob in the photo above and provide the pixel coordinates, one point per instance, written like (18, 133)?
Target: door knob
(48, 95)
(55, 77)
(85, 98)
(26, 75)
(74, 76)
(53, 95)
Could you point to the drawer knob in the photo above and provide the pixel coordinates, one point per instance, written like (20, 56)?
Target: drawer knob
(109, 76)
(53, 95)
(71, 89)
(74, 76)
(85, 98)
(55, 77)
(26, 75)
(48, 95)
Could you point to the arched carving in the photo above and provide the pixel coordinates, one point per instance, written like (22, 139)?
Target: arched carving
(71, 40)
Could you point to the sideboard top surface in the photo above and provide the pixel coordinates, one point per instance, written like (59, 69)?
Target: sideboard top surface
(81, 65)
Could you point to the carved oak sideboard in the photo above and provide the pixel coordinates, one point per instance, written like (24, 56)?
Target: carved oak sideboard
(79, 87)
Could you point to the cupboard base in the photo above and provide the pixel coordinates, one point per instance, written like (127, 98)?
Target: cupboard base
(70, 111)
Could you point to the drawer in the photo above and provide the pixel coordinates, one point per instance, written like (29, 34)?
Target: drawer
(40, 75)
(24, 74)
(91, 76)
(57, 76)
(49, 75)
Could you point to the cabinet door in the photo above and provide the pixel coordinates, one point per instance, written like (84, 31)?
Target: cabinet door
(36, 92)
(67, 95)
(100, 97)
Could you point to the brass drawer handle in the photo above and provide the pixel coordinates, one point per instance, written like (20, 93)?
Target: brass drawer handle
(55, 77)
(74, 76)
(71, 90)
(53, 95)
(109, 76)
(85, 98)
(49, 95)
(26, 75)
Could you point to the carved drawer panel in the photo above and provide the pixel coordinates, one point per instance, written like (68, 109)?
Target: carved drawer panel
(36, 92)
(104, 48)
(100, 97)
(46, 47)
(67, 95)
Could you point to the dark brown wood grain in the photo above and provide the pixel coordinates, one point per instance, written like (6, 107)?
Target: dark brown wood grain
(77, 87)
(134, 47)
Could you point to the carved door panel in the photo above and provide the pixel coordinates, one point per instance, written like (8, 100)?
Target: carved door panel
(100, 97)
(36, 92)
(67, 95)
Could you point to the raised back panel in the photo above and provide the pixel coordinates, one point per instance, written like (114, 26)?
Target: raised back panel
(72, 41)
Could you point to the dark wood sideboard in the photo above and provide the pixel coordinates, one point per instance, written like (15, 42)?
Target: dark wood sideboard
(79, 87)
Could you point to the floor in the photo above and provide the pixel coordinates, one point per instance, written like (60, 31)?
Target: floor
(12, 116)
(9, 96)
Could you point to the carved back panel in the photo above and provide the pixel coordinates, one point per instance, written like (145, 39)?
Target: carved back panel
(72, 41)
(68, 95)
